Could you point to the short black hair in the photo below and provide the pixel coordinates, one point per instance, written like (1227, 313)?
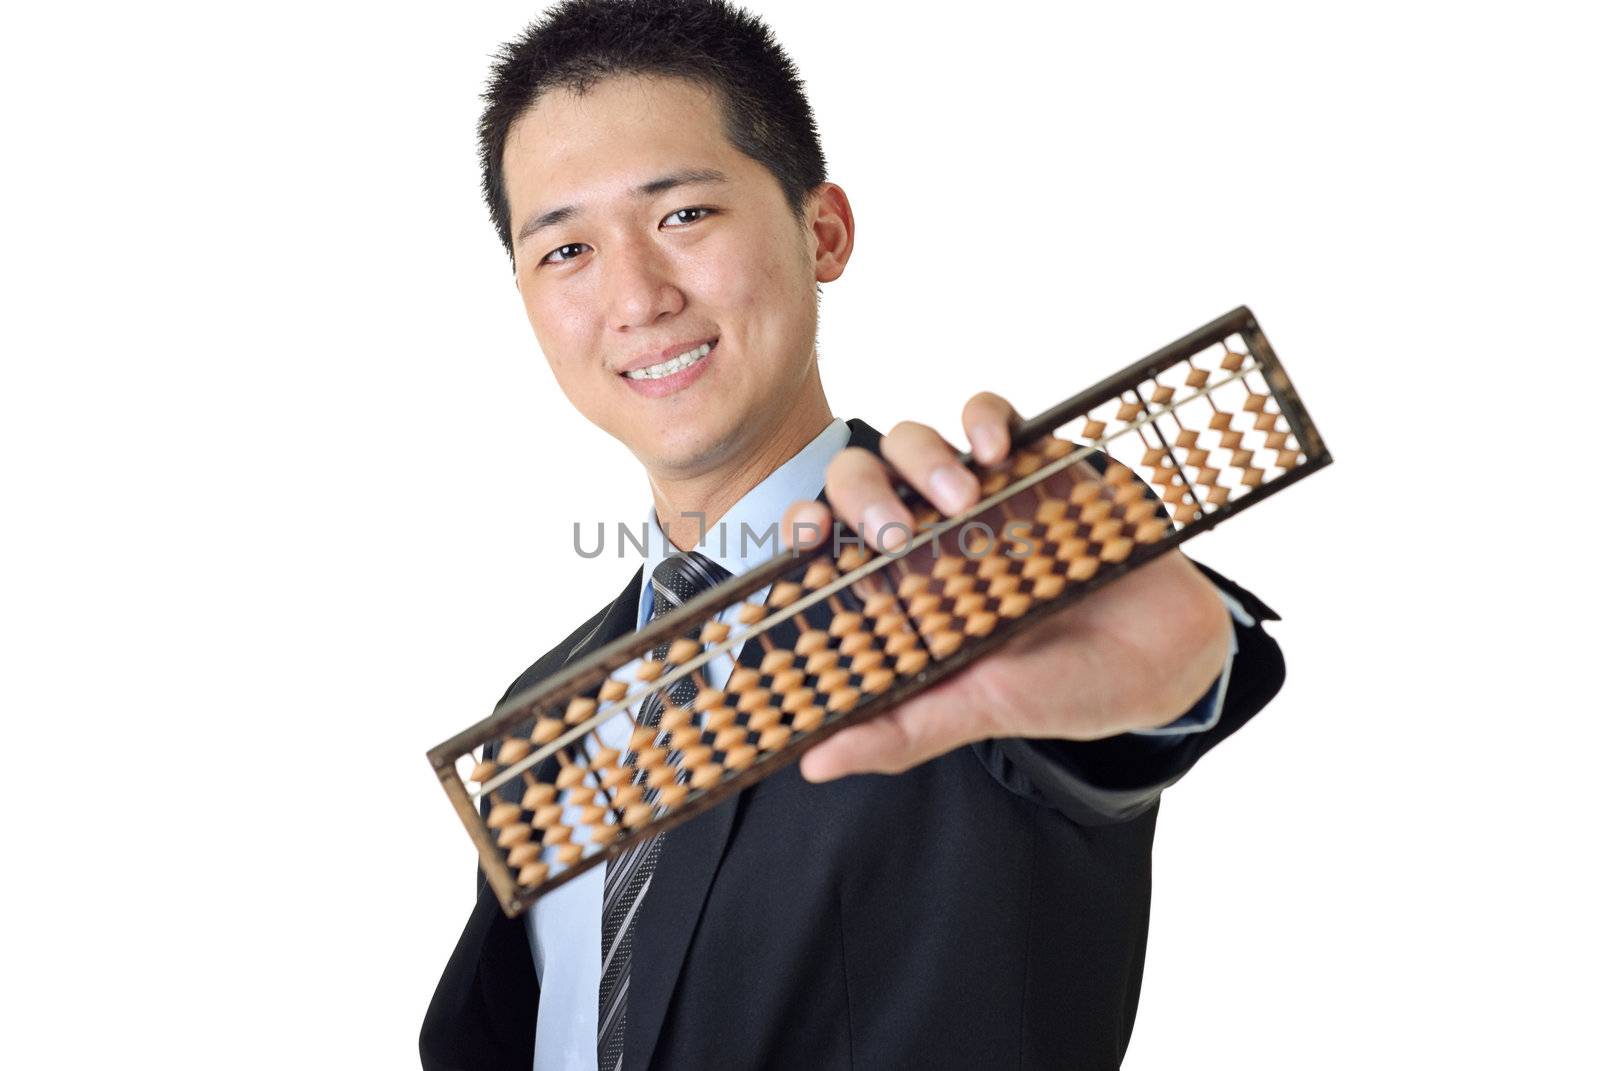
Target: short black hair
(578, 43)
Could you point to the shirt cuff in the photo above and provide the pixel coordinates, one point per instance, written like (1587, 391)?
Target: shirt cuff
(1204, 714)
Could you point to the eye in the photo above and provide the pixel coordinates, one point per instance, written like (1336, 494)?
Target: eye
(702, 211)
(567, 252)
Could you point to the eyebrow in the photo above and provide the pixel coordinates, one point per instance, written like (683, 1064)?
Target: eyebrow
(687, 177)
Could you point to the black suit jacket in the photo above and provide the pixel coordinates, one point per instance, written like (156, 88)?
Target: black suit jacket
(986, 909)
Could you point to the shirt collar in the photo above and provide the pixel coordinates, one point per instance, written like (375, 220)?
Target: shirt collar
(747, 535)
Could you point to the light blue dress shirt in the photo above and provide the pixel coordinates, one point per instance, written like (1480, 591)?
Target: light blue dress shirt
(564, 926)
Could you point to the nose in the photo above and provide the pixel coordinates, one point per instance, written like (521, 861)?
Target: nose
(640, 288)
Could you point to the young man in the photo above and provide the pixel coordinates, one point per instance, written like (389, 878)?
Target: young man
(979, 899)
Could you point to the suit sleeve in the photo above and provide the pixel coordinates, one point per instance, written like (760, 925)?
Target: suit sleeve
(1096, 782)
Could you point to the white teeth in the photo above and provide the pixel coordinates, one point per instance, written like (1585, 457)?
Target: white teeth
(677, 364)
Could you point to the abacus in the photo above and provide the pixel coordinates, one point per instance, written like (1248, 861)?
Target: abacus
(812, 641)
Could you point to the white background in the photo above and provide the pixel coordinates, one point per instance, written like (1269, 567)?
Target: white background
(288, 489)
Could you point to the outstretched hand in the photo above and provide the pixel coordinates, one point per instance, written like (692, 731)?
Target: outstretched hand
(1131, 655)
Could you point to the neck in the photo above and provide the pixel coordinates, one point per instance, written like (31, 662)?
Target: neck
(686, 507)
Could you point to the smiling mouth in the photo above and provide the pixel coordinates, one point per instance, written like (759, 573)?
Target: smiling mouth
(676, 364)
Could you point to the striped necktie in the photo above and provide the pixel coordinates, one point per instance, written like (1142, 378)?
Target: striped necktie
(674, 582)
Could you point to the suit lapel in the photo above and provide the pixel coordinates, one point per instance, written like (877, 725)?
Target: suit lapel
(671, 911)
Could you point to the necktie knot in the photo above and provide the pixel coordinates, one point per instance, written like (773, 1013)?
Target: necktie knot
(680, 577)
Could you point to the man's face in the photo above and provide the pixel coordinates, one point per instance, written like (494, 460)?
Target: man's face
(657, 260)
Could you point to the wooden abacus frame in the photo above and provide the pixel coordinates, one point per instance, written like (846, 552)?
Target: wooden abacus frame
(574, 686)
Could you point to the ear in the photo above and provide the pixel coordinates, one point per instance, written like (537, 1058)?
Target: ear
(833, 229)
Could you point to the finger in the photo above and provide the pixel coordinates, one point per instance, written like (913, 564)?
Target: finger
(910, 734)
(988, 420)
(804, 524)
(859, 489)
(930, 465)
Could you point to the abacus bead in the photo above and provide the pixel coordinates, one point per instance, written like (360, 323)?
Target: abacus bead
(878, 603)
(514, 834)
(877, 680)
(831, 679)
(911, 662)
(523, 854)
(672, 795)
(706, 775)
(739, 757)
(580, 709)
(709, 698)
(537, 796)
(774, 737)
(821, 662)
(1015, 605)
(742, 678)
(911, 585)
(1083, 568)
(547, 730)
(818, 574)
(627, 795)
(751, 612)
(637, 815)
(569, 853)
(855, 643)
(1004, 586)
(604, 757)
(980, 624)
(808, 719)
(714, 632)
(532, 874)
(603, 835)
(900, 643)
(843, 699)
(641, 738)
(866, 660)
(661, 776)
(503, 814)
(649, 670)
(570, 775)
(797, 700)
(844, 623)
(681, 651)
(754, 699)
(557, 835)
(1048, 587)
(612, 690)
(788, 680)
(775, 660)
(783, 593)
(811, 641)
(969, 603)
(1116, 550)
(514, 750)
(547, 815)
(945, 643)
